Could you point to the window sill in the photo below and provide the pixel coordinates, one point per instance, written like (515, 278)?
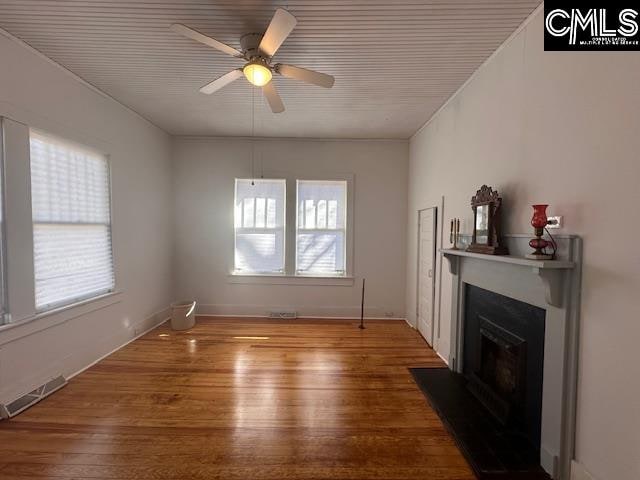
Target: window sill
(50, 318)
(248, 279)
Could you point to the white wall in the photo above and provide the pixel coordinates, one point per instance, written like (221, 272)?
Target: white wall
(204, 172)
(35, 92)
(558, 128)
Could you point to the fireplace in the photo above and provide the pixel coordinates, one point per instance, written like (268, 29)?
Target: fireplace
(499, 381)
(512, 357)
(504, 359)
(493, 404)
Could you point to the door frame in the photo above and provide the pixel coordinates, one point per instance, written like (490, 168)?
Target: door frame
(433, 282)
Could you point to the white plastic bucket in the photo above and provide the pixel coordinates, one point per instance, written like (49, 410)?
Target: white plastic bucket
(183, 315)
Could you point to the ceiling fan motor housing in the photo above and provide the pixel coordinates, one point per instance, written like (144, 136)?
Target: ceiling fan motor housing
(250, 43)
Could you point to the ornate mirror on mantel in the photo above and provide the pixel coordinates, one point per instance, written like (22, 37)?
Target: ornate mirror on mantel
(487, 236)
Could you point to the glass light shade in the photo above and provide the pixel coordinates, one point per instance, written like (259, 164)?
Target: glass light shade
(539, 219)
(538, 243)
(257, 74)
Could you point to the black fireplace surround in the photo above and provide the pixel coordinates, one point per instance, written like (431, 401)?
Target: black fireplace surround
(503, 359)
(494, 408)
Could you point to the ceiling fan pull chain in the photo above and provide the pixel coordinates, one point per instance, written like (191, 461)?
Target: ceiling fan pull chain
(261, 129)
(253, 136)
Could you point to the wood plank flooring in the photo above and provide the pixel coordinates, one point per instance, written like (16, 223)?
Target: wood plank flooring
(242, 399)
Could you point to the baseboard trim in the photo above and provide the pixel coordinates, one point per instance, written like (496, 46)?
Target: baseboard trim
(65, 365)
(549, 462)
(394, 319)
(259, 311)
(578, 472)
(445, 360)
(302, 317)
(154, 321)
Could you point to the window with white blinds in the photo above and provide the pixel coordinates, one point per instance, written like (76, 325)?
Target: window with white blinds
(321, 228)
(3, 298)
(71, 222)
(259, 226)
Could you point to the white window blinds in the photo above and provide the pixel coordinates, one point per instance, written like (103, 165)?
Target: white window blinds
(71, 222)
(321, 227)
(259, 226)
(2, 270)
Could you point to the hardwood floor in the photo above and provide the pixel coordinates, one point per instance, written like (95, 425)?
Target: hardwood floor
(242, 399)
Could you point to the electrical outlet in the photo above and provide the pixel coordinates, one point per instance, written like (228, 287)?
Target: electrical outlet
(554, 222)
(388, 314)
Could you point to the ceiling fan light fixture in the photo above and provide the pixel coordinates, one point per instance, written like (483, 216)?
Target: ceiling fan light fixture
(257, 73)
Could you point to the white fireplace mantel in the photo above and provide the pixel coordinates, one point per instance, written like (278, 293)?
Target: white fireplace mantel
(551, 272)
(553, 285)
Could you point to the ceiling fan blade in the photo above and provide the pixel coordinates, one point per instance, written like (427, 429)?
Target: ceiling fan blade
(308, 76)
(271, 94)
(222, 81)
(278, 30)
(199, 37)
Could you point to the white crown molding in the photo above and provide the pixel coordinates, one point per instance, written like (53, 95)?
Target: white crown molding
(289, 139)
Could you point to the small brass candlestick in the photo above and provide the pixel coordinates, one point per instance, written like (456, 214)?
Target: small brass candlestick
(454, 234)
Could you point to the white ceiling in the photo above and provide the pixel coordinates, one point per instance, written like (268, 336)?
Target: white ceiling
(395, 62)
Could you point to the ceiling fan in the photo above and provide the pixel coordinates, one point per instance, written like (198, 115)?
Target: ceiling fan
(258, 50)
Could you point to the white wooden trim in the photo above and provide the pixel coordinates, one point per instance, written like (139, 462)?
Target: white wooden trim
(303, 311)
(248, 279)
(578, 472)
(512, 259)
(156, 320)
(303, 317)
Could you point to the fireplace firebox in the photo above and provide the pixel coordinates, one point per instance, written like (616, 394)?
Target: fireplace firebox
(503, 359)
(499, 383)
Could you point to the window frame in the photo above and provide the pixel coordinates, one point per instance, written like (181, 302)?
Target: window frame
(289, 277)
(4, 307)
(326, 229)
(263, 229)
(94, 296)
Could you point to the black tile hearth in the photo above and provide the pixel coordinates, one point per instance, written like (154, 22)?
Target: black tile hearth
(494, 452)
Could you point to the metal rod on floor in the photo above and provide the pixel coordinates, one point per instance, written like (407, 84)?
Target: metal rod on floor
(362, 308)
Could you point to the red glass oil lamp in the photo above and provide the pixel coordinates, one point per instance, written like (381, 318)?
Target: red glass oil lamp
(539, 222)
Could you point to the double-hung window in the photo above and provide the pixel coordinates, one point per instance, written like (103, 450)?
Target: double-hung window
(259, 226)
(321, 228)
(310, 240)
(3, 298)
(70, 194)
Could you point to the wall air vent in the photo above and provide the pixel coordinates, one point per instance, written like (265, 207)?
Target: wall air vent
(283, 314)
(21, 404)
